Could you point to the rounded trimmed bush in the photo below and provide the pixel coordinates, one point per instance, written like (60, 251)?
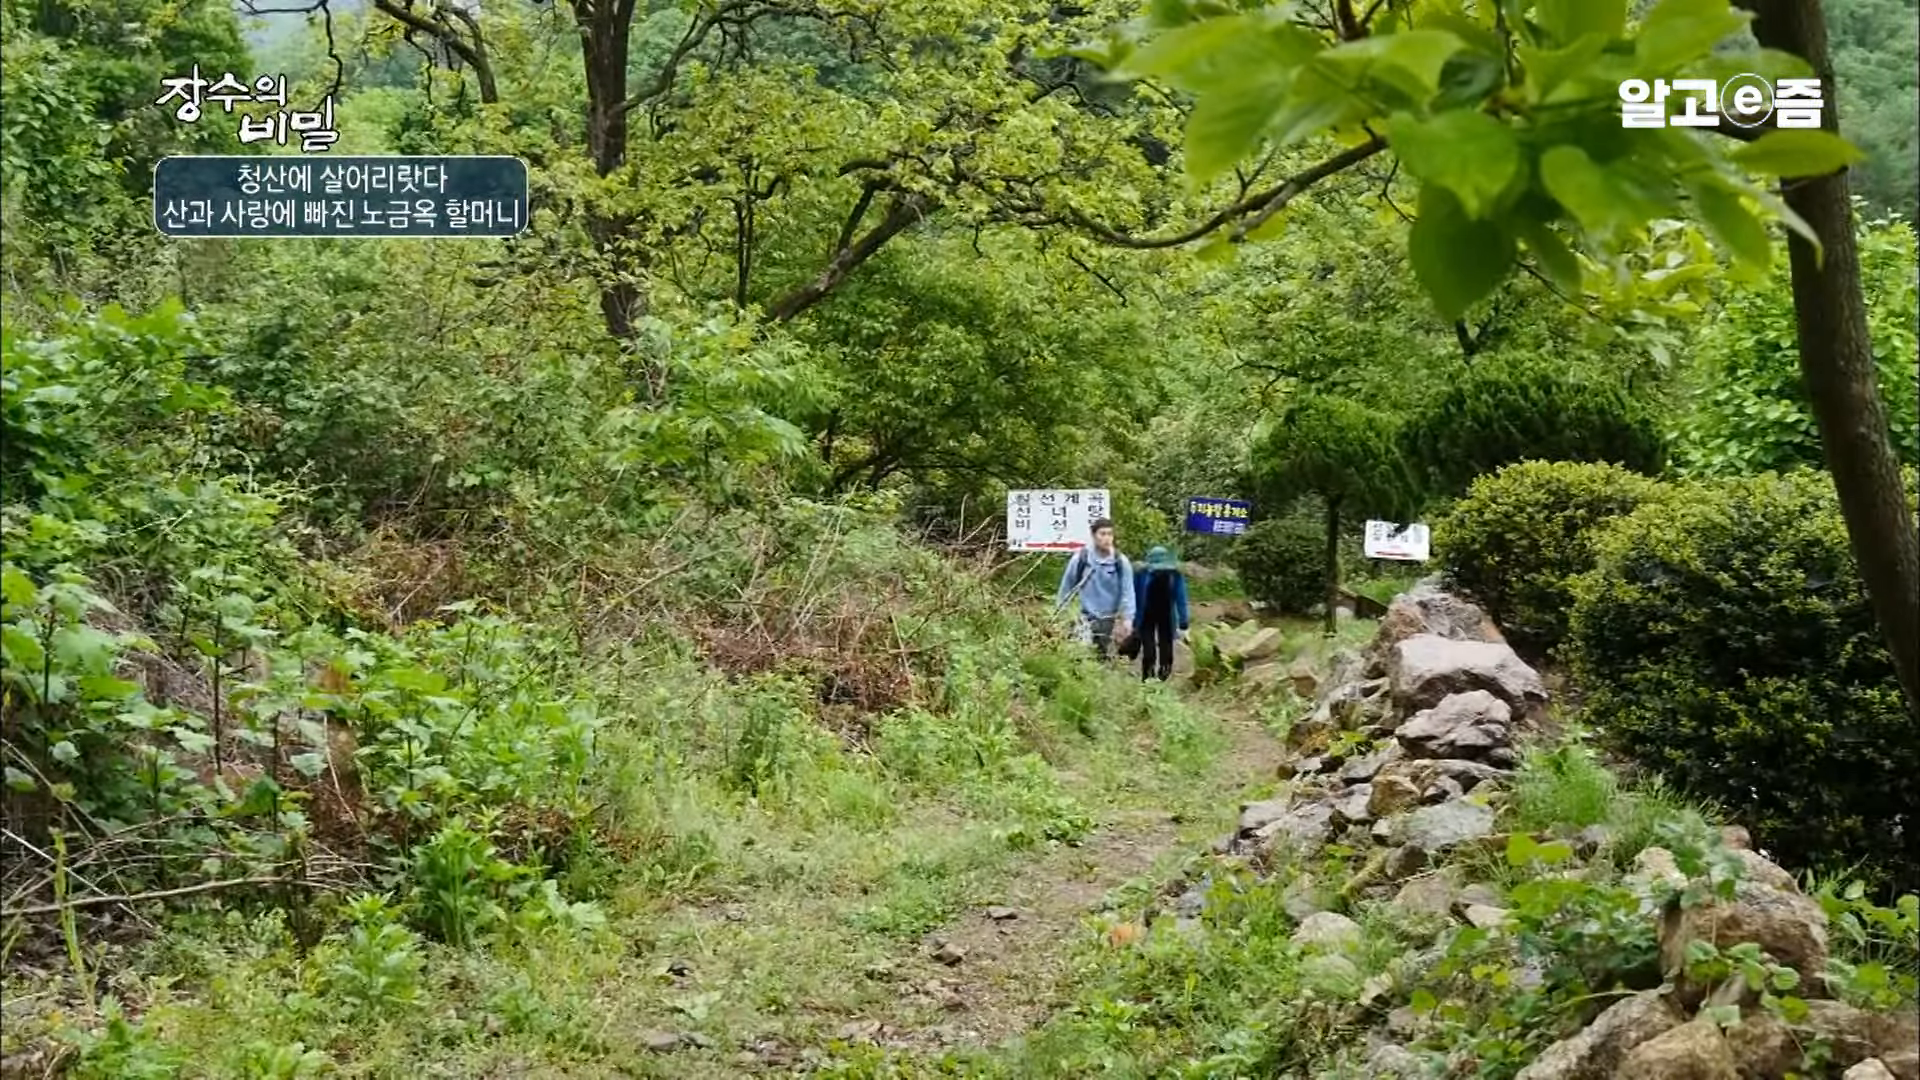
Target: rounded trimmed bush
(1724, 639)
(1526, 408)
(1282, 562)
(1518, 538)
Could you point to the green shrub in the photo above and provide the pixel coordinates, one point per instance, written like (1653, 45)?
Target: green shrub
(1282, 562)
(1725, 640)
(1529, 409)
(1521, 534)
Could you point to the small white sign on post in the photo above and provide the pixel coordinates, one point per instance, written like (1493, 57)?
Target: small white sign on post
(1405, 543)
(1053, 519)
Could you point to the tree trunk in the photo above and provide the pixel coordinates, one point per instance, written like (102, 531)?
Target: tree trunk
(1333, 566)
(605, 28)
(1836, 364)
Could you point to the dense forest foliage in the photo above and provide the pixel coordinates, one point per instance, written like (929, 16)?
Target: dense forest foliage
(456, 615)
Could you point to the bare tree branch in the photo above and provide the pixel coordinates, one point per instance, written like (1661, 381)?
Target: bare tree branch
(1261, 205)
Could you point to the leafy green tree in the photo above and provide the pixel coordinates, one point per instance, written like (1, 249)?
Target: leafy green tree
(1747, 409)
(1878, 95)
(680, 156)
(1344, 452)
(946, 362)
(1508, 115)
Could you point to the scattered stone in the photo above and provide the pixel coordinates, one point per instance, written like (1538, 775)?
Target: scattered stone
(1693, 1051)
(1429, 895)
(1381, 831)
(1898, 1037)
(1264, 675)
(879, 970)
(1482, 894)
(1594, 1052)
(1362, 705)
(859, 1031)
(1426, 669)
(1850, 1033)
(1424, 773)
(1762, 1045)
(1374, 989)
(949, 954)
(1394, 1060)
(1736, 837)
(1343, 667)
(1326, 930)
(1588, 841)
(1306, 681)
(696, 1040)
(1404, 1023)
(1470, 774)
(1485, 917)
(1301, 901)
(1262, 644)
(1404, 861)
(1312, 732)
(1656, 866)
(661, 1042)
(1259, 815)
(1331, 975)
(1303, 827)
(1366, 767)
(1465, 725)
(1390, 793)
(1441, 790)
(1352, 805)
(1310, 766)
(1870, 1069)
(679, 969)
(1790, 926)
(1435, 829)
(1190, 903)
(944, 996)
(1002, 914)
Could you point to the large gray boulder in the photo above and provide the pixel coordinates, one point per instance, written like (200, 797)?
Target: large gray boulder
(1469, 725)
(1435, 829)
(1767, 909)
(1426, 669)
(1696, 1050)
(1429, 609)
(1594, 1052)
(1303, 827)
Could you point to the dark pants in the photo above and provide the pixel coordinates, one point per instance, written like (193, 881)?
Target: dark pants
(1101, 631)
(1156, 650)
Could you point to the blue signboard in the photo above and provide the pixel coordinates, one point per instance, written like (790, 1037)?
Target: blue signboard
(1218, 517)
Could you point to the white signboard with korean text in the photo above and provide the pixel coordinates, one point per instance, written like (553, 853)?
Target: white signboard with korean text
(1406, 543)
(1053, 519)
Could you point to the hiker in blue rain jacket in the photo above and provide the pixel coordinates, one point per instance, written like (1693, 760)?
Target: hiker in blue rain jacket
(1103, 580)
(1160, 601)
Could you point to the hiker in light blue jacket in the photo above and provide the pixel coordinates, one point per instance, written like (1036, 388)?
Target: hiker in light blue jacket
(1103, 580)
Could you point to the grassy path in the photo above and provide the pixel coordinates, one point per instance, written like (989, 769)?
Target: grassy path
(932, 934)
(928, 936)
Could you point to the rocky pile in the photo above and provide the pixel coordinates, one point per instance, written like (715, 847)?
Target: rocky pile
(1406, 755)
(1720, 1032)
(1403, 739)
